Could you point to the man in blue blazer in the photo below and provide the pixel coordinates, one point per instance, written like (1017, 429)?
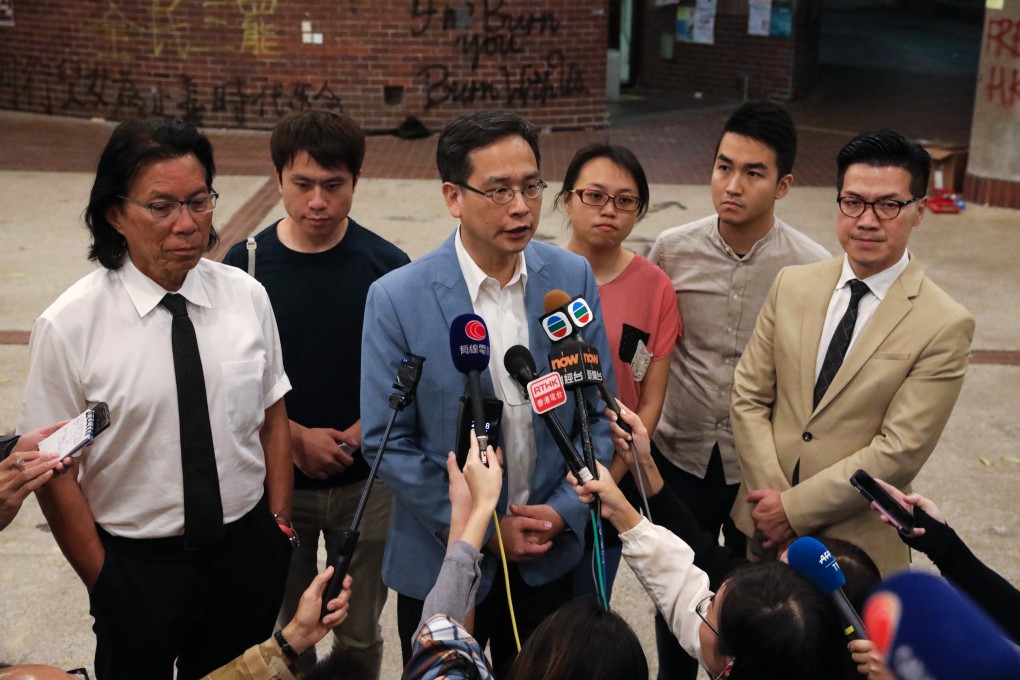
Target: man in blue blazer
(489, 164)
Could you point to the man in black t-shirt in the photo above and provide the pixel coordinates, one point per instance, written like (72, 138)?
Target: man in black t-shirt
(317, 265)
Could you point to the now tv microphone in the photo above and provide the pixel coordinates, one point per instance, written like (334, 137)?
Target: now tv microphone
(469, 348)
(927, 629)
(577, 363)
(545, 393)
(563, 312)
(810, 557)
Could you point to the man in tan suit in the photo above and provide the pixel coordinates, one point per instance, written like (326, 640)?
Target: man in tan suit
(807, 409)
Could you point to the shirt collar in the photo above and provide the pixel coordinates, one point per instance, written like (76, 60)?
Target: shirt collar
(145, 294)
(879, 283)
(759, 245)
(474, 277)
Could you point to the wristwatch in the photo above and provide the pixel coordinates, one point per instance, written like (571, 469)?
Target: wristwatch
(7, 444)
(285, 647)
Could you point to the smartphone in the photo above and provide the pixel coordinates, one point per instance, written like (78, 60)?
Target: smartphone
(70, 439)
(493, 410)
(899, 516)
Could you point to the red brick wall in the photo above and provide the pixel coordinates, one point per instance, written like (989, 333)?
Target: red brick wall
(242, 63)
(778, 68)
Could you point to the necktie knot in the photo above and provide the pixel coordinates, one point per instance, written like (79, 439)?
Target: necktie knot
(858, 289)
(176, 303)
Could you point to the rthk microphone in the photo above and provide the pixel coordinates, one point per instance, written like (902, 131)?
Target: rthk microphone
(469, 347)
(808, 556)
(545, 394)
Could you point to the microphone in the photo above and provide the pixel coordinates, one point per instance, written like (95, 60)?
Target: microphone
(925, 628)
(521, 366)
(469, 347)
(808, 556)
(565, 317)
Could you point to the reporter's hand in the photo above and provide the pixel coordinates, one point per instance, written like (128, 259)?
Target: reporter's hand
(306, 629)
(615, 506)
(317, 451)
(909, 501)
(485, 482)
(869, 662)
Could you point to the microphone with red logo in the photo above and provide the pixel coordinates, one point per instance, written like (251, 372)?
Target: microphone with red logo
(927, 629)
(545, 394)
(469, 347)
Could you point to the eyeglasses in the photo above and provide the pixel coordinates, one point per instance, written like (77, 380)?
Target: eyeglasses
(701, 609)
(162, 210)
(885, 209)
(600, 198)
(79, 671)
(503, 195)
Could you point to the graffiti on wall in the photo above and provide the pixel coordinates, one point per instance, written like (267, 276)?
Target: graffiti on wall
(489, 30)
(69, 87)
(168, 27)
(1002, 76)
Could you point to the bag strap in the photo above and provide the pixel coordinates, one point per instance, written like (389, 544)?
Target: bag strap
(251, 255)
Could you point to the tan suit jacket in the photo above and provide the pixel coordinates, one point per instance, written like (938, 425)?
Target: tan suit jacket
(884, 411)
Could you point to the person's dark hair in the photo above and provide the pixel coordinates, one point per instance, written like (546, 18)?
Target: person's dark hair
(134, 145)
(777, 624)
(332, 140)
(473, 131)
(885, 149)
(581, 641)
(621, 156)
(859, 570)
(769, 124)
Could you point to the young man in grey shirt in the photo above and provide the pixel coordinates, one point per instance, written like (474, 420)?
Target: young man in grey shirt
(722, 267)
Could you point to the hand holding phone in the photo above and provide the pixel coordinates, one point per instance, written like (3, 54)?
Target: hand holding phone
(70, 439)
(899, 516)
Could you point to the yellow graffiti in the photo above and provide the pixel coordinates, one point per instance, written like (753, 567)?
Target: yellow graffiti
(258, 35)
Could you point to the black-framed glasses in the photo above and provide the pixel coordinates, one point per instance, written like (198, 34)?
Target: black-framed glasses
(885, 208)
(701, 609)
(165, 209)
(503, 195)
(81, 672)
(624, 202)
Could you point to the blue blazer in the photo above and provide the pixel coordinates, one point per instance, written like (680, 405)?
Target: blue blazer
(411, 309)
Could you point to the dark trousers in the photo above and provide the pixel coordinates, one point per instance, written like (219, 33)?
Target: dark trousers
(710, 499)
(156, 602)
(532, 604)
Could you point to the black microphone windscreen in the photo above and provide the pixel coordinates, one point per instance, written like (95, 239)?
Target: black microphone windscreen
(469, 343)
(518, 359)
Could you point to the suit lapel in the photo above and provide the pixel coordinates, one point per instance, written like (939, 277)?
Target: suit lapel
(452, 294)
(887, 316)
(538, 285)
(812, 322)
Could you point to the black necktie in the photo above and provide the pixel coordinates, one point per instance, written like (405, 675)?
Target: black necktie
(203, 510)
(840, 340)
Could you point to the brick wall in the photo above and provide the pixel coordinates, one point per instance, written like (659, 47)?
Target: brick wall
(778, 68)
(244, 63)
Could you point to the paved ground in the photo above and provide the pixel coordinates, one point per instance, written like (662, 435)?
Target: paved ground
(45, 166)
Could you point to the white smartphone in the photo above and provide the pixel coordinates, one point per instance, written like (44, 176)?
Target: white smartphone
(75, 435)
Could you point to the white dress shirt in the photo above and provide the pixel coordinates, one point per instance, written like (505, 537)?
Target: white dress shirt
(107, 338)
(507, 321)
(878, 285)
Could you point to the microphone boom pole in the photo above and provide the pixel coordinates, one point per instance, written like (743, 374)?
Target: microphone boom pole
(408, 375)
